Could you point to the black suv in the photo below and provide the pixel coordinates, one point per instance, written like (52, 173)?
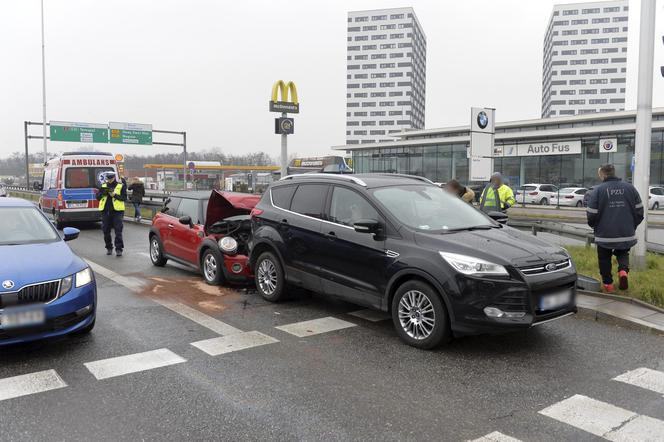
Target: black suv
(402, 245)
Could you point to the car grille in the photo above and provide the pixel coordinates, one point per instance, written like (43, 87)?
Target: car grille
(541, 268)
(511, 302)
(32, 294)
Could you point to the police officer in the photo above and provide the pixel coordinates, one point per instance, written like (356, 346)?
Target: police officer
(614, 210)
(496, 196)
(112, 196)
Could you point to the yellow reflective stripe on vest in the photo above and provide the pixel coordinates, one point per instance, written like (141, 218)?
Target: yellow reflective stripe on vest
(118, 205)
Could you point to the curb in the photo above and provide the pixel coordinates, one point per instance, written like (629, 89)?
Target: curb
(629, 321)
(622, 298)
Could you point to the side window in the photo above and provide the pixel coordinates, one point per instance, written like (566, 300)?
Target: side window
(581, 192)
(281, 196)
(171, 207)
(308, 199)
(189, 207)
(349, 207)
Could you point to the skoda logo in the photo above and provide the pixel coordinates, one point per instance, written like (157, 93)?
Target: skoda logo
(607, 145)
(482, 120)
(7, 284)
(550, 267)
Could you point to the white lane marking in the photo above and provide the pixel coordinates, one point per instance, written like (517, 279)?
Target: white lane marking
(199, 318)
(315, 326)
(133, 284)
(121, 365)
(31, 383)
(192, 314)
(496, 436)
(228, 344)
(605, 420)
(370, 315)
(645, 378)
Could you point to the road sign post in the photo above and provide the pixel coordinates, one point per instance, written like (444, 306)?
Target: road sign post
(130, 133)
(76, 132)
(284, 125)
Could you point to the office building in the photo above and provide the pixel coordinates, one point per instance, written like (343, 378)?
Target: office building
(585, 59)
(386, 74)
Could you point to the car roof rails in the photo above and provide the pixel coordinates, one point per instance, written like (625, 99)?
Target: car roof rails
(326, 175)
(403, 175)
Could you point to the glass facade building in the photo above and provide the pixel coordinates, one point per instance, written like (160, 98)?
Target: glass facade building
(441, 154)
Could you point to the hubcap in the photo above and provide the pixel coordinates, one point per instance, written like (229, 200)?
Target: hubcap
(267, 277)
(210, 267)
(154, 250)
(416, 315)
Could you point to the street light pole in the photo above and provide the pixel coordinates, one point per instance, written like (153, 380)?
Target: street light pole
(643, 123)
(43, 84)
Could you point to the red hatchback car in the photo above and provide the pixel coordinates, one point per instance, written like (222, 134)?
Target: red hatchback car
(207, 231)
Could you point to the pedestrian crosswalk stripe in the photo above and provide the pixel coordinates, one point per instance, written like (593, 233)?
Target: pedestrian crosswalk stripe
(121, 365)
(370, 315)
(200, 318)
(315, 326)
(31, 383)
(496, 436)
(645, 378)
(605, 420)
(239, 341)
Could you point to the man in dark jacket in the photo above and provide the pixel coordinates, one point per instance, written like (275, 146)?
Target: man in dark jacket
(112, 196)
(614, 210)
(137, 193)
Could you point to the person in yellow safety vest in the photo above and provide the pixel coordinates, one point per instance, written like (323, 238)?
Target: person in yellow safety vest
(112, 196)
(496, 195)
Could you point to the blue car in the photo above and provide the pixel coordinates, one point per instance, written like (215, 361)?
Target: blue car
(45, 289)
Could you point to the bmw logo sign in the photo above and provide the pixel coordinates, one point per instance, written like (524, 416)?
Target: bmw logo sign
(607, 145)
(8, 284)
(482, 120)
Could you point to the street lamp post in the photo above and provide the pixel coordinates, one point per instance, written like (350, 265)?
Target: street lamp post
(643, 123)
(43, 84)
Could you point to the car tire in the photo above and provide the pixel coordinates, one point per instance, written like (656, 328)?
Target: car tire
(87, 329)
(156, 252)
(579, 204)
(212, 263)
(407, 315)
(269, 277)
(655, 206)
(544, 202)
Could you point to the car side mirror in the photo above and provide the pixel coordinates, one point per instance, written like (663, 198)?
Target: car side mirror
(70, 233)
(499, 217)
(186, 220)
(367, 226)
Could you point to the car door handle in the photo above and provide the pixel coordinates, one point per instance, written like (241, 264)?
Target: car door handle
(331, 235)
(170, 226)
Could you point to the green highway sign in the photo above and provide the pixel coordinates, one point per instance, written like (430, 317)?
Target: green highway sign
(130, 133)
(78, 132)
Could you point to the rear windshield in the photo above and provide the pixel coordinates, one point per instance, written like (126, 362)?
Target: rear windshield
(84, 177)
(568, 190)
(25, 225)
(527, 188)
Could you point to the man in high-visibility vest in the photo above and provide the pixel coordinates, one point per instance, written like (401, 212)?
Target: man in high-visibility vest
(496, 195)
(112, 196)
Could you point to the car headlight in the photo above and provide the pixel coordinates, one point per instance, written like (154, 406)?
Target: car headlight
(469, 265)
(65, 285)
(83, 277)
(228, 245)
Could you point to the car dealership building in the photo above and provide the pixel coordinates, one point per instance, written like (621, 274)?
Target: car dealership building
(562, 150)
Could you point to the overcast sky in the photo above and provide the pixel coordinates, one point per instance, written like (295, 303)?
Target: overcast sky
(206, 67)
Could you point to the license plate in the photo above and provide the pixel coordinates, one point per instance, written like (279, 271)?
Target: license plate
(77, 205)
(555, 300)
(21, 318)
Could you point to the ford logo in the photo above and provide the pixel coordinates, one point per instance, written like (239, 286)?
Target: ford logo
(550, 267)
(8, 284)
(482, 120)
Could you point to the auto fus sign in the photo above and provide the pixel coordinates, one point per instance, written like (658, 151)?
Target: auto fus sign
(537, 149)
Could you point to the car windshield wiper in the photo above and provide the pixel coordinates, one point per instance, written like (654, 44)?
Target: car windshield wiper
(471, 228)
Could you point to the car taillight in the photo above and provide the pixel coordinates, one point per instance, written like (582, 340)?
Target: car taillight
(256, 212)
(60, 202)
(533, 193)
(569, 197)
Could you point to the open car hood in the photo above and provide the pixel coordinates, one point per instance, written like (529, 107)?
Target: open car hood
(226, 204)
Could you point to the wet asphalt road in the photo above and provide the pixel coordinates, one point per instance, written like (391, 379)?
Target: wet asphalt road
(357, 383)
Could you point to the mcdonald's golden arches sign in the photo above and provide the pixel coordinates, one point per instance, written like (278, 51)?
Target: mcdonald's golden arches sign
(280, 100)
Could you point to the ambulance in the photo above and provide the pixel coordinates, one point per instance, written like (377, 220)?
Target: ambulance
(69, 183)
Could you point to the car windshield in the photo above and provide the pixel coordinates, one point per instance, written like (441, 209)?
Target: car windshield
(25, 225)
(428, 208)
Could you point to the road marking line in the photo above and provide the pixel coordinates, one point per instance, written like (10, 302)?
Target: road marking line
(496, 436)
(192, 314)
(645, 378)
(31, 383)
(121, 365)
(236, 342)
(315, 326)
(199, 318)
(370, 315)
(605, 420)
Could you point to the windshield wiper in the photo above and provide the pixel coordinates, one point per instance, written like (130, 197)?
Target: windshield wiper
(471, 228)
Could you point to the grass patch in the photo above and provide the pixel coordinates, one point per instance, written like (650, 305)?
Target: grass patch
(646, 285)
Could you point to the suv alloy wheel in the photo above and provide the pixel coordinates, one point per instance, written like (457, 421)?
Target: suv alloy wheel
(270, 277)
